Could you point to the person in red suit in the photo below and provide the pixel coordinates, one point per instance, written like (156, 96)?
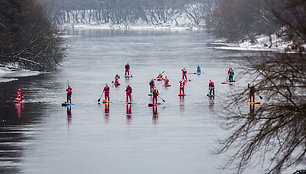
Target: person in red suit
(19, 94)
(155, 94)
(117, 77)
(211, 86)
(127, 69)
(69, 93)
(128, 91)
(182, 86)
(184, 74)
(106, 92)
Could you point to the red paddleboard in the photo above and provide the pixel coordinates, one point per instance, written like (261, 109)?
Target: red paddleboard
(167, 85)
(181, 95)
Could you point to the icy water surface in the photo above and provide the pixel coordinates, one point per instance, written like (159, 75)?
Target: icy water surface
(177, 137)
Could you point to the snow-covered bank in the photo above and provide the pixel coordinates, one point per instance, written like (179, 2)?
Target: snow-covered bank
(11, 73)
(131, 27)
(263, 44)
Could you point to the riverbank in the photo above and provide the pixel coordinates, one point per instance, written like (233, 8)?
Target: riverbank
(11, 72)
(262, 44)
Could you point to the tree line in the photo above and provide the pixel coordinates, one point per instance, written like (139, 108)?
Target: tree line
(127, 12)
(27, 36)
(244, 19)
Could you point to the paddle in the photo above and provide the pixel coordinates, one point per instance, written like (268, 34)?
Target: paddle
(160, 73)
(100, 97)
(161, 98)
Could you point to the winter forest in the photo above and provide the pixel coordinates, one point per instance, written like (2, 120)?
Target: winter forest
(40, 21)
(31, 38)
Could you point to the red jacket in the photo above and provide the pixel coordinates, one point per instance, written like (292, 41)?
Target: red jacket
(128, 90)
(166, 81)
(127, 66)
(155, 92)
(152, 83)
(182, 83)
(106, 89)
(69, 90)
(19, 92)
(211, 85)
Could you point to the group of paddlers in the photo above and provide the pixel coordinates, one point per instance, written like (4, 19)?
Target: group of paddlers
(153, 90)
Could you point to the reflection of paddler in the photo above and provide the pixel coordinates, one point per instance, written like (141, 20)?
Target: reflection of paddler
(128, 109)
(19, 109)
(155, 114)
(106, 108)
(69, 115)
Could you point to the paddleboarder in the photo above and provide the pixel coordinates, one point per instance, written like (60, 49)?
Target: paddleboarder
(166, 80)
(106, 92)
(69, 93)
(128, 91)
(198, 69)
(19, 94)
(184, 74)
(211, 86)
(127, 68)
(160, 76)
(155, 94)
(182, 86)
(152, 84)
(252, 92)
(117, 77)
(230, 75)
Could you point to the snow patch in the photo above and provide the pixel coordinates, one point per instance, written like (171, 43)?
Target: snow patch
(263, 44)
(11, 72)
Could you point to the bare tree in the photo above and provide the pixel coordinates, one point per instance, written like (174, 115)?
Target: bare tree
(29, 38)
(274, 133)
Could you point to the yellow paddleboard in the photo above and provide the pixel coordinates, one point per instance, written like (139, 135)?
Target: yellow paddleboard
(256, 102)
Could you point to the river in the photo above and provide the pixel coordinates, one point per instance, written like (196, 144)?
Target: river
(176, 137)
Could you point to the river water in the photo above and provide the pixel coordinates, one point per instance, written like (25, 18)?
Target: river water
(177, 137)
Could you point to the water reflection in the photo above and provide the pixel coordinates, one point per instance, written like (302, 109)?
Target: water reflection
(211, 104)
(252, 108)
(128, 113)
(106, 112)
(182, 104)
(19, 109)
(69, 115)
(155, 115)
